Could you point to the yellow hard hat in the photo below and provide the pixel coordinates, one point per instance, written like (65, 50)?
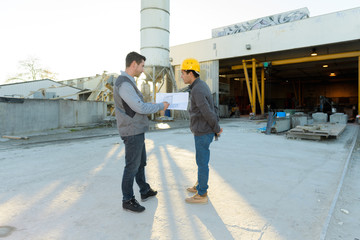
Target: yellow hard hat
(190, 64)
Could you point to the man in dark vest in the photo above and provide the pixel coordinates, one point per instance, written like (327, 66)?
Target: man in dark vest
(132, 122)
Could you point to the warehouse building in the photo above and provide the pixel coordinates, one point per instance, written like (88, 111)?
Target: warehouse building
(285, 61)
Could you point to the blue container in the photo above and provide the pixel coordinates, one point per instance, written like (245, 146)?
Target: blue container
(280, 114)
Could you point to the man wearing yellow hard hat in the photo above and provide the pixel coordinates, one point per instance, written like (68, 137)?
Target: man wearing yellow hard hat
(204, 124)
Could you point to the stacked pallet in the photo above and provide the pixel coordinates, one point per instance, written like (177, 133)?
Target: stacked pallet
(316, 131)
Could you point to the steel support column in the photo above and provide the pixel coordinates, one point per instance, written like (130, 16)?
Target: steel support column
(262, 102)
(254, 83)
(248, 85)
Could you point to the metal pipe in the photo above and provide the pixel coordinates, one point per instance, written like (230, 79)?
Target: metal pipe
(154, 91)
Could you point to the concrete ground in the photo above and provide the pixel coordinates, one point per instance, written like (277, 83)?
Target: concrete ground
(65, 184)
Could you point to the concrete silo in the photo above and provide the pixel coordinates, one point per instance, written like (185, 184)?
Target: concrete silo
(154, 32)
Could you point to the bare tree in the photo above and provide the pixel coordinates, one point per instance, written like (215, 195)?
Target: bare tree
(30, 69)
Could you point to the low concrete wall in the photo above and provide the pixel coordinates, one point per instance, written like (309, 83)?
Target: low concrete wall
(35, 115)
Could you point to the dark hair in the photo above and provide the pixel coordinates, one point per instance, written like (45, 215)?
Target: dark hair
(134, 56)
(196, 75)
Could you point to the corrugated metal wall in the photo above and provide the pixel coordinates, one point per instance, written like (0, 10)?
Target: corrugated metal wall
(209, 72)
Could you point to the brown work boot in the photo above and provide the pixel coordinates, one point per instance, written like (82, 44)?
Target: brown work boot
(197, 199)
(193, 188)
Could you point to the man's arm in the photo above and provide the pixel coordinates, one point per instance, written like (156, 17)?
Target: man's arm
(129, 95)
(208, 114)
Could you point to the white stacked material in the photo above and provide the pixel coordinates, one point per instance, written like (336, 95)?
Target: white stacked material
(339, 118)
(298, 120)
(319, 117)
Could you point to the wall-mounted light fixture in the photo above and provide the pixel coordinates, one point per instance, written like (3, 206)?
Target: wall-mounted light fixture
(325, 66)
(332, 74)
(248, 46)
(239, 79)
(313, 52)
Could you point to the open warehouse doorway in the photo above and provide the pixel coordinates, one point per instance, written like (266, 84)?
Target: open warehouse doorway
(327, 82)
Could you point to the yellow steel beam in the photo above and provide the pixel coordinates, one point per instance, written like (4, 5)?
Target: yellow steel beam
(257, 88)
(237, 67)
(248, 84)
(254, 81)
(316, 58)
(262, 102)
(306, 59)
(254, 89)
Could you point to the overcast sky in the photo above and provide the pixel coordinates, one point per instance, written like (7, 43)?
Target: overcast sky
(80, 38)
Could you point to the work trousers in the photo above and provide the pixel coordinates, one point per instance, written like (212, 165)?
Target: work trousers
(135, 162)
(202, 144)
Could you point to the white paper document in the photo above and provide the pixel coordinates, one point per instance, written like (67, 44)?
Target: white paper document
(178, 101)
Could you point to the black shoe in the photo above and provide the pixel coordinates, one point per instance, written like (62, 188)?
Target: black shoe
(133, 205)
(147, 195)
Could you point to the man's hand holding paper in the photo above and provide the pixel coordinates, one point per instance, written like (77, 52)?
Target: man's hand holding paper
(178, 101)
